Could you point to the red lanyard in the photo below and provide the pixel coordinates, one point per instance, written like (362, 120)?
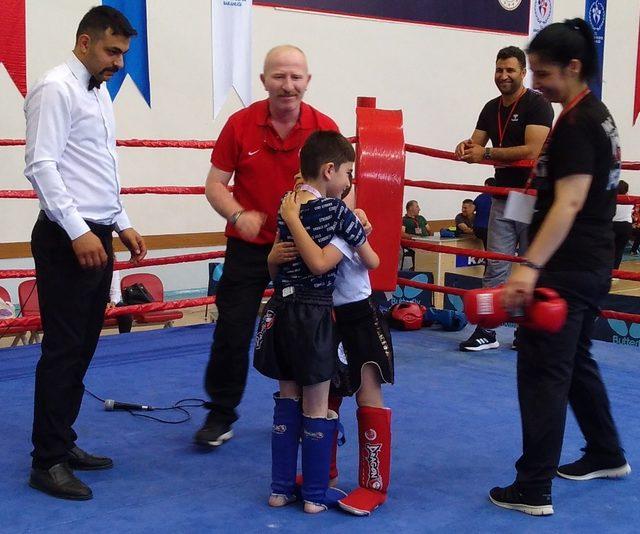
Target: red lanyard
(567, 109)
(501, 132)
(564, 111)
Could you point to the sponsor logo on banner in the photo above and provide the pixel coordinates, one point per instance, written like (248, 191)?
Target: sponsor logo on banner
(510, 5)
(469, 261)
(542, 10)
(625, 334)
(597, 15)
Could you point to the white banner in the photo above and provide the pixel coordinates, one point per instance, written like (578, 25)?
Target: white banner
(231, 42)
(541, 16)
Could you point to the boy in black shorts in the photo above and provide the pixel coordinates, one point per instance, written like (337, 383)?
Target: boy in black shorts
(296, 342)
(366, 340)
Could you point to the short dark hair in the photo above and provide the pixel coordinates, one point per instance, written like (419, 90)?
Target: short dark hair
(491, 181)
(563, 41)
(623, 187)
(513, 51)
(324, 147)
(99, 18)
(468, 201)
(409, 204)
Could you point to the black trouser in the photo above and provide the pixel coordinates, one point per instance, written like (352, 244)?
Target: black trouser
(481, 233)
(622, 233)
(554, 369)
(72, 304)
(244, 278)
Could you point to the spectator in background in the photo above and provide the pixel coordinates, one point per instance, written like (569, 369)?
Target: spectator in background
(414, 224)
(483, 208)
(465, 219)
(622, 226)
(635, 229)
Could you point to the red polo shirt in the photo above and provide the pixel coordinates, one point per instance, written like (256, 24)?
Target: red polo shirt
(263, 163)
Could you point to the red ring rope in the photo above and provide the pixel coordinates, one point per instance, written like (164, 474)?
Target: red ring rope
(121, 265)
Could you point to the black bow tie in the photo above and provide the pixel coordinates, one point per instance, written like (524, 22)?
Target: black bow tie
(93, 82)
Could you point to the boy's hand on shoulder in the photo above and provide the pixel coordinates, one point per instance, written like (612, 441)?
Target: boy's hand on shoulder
(362, 217)
(290, 207)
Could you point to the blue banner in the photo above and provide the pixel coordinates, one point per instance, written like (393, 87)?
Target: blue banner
(595, 13)
(136, 62)
(503, 16)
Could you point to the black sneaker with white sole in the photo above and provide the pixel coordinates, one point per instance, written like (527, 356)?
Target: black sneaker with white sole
(213, 434)
(529, 501)
(481, 339)
(589, 467)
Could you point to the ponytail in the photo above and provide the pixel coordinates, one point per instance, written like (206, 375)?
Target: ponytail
(563, 41)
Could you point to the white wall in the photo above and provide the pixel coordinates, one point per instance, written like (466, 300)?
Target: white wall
(439, 77)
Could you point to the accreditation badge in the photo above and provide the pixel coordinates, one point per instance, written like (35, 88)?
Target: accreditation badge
(519, 207)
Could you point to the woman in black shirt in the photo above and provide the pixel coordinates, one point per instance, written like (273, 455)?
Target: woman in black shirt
(571, 251)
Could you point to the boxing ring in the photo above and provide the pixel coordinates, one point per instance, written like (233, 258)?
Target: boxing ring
(456, 428)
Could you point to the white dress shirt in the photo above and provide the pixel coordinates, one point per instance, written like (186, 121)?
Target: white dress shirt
(71, 158)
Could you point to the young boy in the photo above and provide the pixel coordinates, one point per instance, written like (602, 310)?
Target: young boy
(296, 341)
(366, 340)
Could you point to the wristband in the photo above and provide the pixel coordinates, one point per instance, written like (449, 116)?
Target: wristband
(235, 216)
(487, 153)
(531, 265)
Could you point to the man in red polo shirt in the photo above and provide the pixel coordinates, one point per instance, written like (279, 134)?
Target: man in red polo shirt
(259, 146)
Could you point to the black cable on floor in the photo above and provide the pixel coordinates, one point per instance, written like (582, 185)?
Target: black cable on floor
(178, 405)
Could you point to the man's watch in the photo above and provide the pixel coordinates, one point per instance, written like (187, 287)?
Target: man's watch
(487, 153)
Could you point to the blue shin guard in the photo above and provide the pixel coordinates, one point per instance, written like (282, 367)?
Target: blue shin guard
(285, 438)
(317, 442)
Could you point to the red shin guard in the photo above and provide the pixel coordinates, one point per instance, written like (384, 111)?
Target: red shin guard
(374, 435)
(334, 404)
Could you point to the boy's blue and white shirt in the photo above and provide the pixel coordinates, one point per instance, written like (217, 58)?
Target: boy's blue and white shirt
(323, 219)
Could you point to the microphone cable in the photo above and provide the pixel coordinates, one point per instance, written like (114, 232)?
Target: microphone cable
(180, 406)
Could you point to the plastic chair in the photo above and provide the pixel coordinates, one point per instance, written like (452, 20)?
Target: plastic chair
(19, 332)
(156, 289)
(29, 306)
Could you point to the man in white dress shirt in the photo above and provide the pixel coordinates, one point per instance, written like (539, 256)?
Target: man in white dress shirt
(72, 164)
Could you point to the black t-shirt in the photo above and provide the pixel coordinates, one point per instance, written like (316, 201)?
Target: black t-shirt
(461, 219)
(585, 141)
(532, 108)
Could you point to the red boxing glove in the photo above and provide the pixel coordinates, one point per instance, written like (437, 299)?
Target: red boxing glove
(547, 311)
(407, 315)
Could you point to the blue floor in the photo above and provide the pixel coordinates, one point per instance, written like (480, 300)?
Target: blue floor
(456, 433)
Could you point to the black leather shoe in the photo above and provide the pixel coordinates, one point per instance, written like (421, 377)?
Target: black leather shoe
(59, 481)
(83, 461)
